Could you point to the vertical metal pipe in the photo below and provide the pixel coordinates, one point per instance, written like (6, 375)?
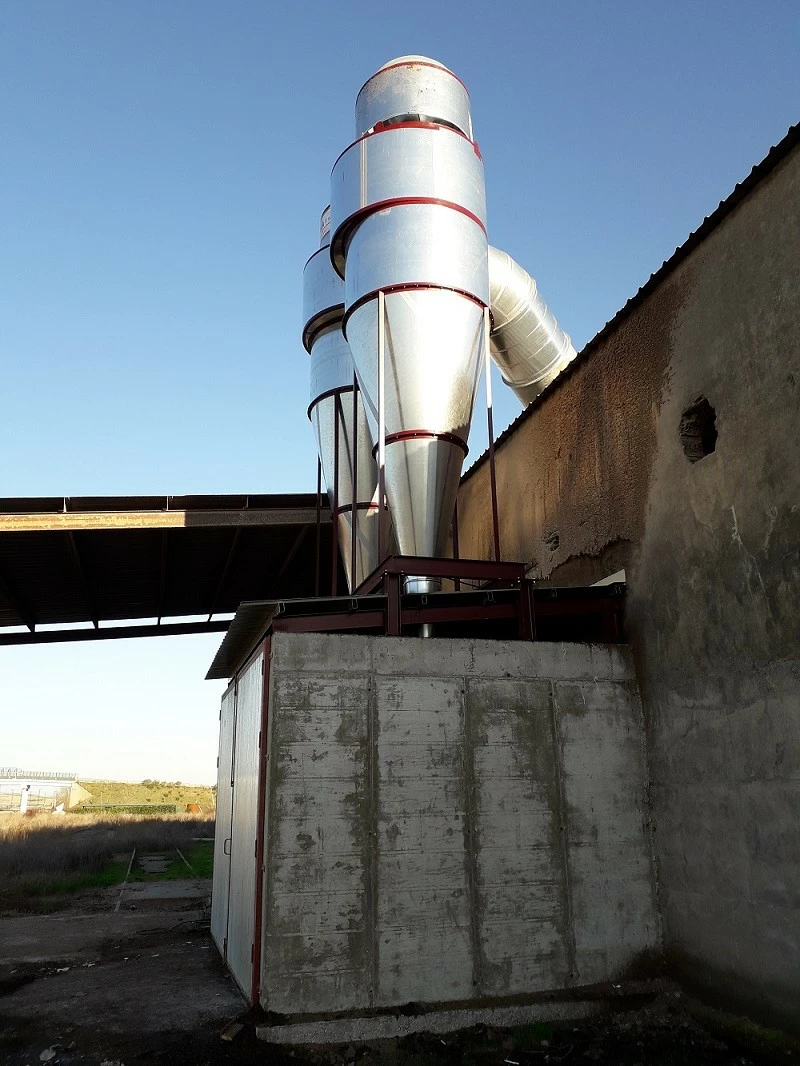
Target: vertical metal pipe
(335, 516)
(381, 425)
(354, 488)
(258, 922)
(487, 362)
(319, 525)
(456, 581)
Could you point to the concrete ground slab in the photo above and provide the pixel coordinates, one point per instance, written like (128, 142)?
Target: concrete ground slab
(177, 985)
(42, 938)
(158, 890)
(390, 1026)
(153, 864)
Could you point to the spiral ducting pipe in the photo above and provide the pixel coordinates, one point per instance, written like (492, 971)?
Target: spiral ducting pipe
(527, 343)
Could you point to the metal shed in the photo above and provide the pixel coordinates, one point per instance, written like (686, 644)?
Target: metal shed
(239, 834)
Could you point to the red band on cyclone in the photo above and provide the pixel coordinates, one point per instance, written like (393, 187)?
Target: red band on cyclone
(422, 434)
(325, 395)
(405, 201)
(322, 248)
(387, 126)
(414, 63)
(353, 221)
(359, 507)
(328, 316)
(407, 286)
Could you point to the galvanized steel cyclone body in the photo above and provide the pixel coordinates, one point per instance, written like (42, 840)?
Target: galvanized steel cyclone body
(408, 219)
(336, 423)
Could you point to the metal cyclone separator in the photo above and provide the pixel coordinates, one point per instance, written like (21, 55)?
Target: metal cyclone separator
(408, 236)
(337, 415)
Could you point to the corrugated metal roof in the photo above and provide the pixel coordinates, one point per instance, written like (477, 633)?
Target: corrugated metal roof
(247, 628)
(760, 171)
(97, 559)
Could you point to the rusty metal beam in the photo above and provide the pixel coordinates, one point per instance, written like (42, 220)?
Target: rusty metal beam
(467, 569)
(62, 636)
(80, 568)
(102, 520)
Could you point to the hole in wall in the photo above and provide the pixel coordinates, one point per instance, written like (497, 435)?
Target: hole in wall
(698, 430)
(551, 540)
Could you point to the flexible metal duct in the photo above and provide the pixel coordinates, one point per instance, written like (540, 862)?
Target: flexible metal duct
(408, 233)
(527, 343)
(335, 421)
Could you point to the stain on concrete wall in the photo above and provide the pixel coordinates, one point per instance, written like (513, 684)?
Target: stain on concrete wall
(714, 615)
(317, 907)
(596, 479)
(451, 820)
(572, 481)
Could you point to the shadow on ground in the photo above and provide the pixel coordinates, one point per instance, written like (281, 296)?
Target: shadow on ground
(95, 986)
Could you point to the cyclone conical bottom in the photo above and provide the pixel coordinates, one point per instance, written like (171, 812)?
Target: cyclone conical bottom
(366, 559)
(431, 366)
(326, 426)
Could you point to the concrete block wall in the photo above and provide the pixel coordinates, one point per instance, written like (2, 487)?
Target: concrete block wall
(451, 821)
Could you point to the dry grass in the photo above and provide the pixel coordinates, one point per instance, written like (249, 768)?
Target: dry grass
(126, 792)
(53, 853)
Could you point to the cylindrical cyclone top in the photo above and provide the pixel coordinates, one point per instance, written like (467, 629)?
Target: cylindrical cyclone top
(325, 227)
(331, 365)
(323, 295)
(403, 165)
(413, 87)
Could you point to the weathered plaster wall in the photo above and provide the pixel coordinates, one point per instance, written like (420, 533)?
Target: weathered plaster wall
(712, 552)
(451, 820)
(572, 480)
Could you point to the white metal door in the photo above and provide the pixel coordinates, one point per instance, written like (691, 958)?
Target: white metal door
(242, 885)
(222, 831)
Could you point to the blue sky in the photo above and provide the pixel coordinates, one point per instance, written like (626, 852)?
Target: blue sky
(162, 170)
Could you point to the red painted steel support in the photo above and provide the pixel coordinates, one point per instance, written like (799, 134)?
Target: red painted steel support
(319, 526)
(258, 924)
(381, 426)
(487, 327)
(484, 570)
(527, 615)
(337, 408)
(332, 623)
(354, 493)
(393, 605)
(456, 581)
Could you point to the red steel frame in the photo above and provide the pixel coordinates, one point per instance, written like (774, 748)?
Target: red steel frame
(258, 924)
(382, 611)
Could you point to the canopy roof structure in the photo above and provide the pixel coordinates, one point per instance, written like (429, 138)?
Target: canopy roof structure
(78, 564)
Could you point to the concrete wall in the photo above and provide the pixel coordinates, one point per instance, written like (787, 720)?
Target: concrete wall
(596, 479)
(451, 820)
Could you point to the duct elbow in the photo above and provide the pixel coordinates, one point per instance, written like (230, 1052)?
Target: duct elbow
(527, 343)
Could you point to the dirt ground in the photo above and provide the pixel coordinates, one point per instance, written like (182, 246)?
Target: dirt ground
(94, 986)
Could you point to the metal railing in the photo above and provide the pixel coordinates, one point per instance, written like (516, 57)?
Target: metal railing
(14, 773)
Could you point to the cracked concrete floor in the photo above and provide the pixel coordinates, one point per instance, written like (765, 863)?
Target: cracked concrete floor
(114, 985)
(93, 987)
